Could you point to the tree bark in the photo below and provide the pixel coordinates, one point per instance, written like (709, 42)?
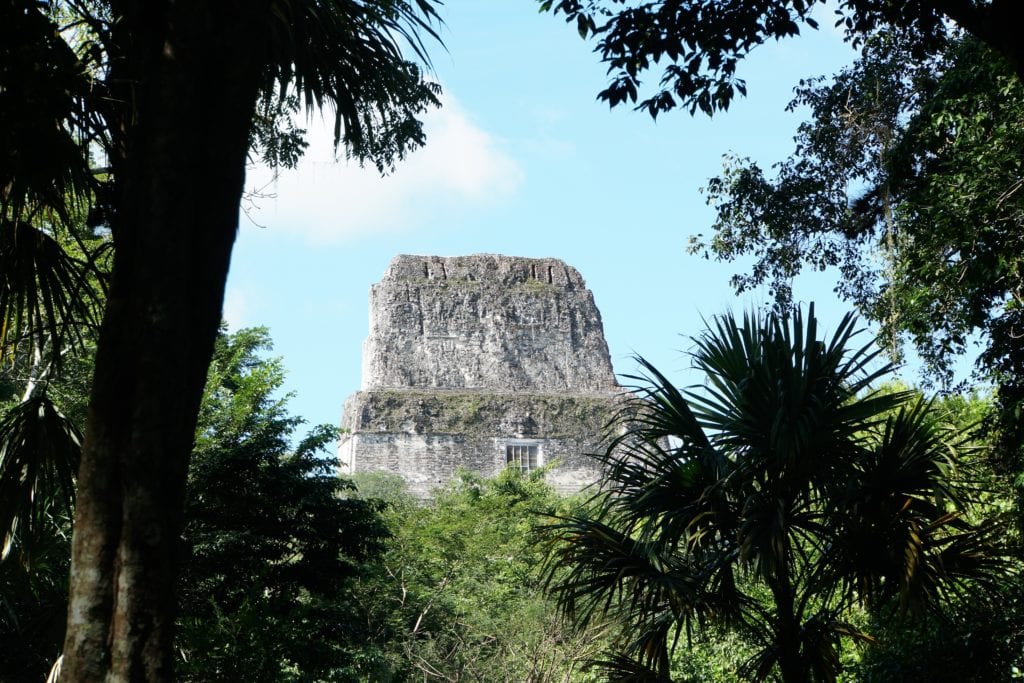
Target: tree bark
(998, 25)
(791, 664)
(192, 85)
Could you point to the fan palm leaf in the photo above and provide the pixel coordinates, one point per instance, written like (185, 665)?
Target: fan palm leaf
(44, 166)
(785, 472)
(623, 669)
(666, 478)
(39, 454)
(46, 182)
(47, 296)
(348, 54)
(899, 528)
(820, 637)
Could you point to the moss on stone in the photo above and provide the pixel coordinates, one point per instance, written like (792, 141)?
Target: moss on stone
(536, 287)
(478, 413)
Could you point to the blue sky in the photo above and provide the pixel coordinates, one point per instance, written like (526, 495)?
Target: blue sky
(522, 160)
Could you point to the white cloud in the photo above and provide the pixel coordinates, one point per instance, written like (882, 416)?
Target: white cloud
(236, 308)
(328, 200)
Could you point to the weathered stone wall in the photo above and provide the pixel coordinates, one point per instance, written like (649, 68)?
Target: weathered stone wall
(427, 436)
(523, 415)
(467, 354)
(485, 322)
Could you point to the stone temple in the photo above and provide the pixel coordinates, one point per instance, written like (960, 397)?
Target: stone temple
(481, 362)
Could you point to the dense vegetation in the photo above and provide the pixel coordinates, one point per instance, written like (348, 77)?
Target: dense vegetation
(269, 547)
(907, 177)
(790, 504)
(290, 573)
(126, 128)
(907, 180)
(786, 524)
(459, 593)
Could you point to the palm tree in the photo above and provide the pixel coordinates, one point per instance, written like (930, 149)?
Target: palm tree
(168, 96)
(770, 502)
(51, 271)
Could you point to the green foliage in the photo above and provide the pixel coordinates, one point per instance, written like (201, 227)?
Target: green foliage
(932, 152)
(388, 487)
(49, 301)
(698, 44)
(284, 577)
(908, 179)
(39, 452)
(458, 595)
(714, 655)
(773, 503)
(78, 83)
(48, 269)
(981, 636)
(322, 53)
(272, 540)
(701, 43)
(55, 99)
(271, 544)
(982, 641)
(279, 141)
(33, 601)
(42, 167)
(47, 294)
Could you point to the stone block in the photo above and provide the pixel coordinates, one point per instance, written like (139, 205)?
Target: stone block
(468, 357)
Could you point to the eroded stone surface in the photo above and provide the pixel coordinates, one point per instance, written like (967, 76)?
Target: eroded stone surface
(428, 436)
(467, 355)
(485, 322)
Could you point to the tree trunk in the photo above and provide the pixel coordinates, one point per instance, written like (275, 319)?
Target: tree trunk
(186, 136)
(998, 25)
(1001, 30)
(791, 664)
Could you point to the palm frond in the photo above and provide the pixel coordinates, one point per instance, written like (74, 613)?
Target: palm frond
(784, 485)
(954, 563)
(43, 164)
(593, 569)
(47, 297)
(820, 642)
(326, 51)
(900, 529)
(667, 482)
(39, 454)
(620, 668)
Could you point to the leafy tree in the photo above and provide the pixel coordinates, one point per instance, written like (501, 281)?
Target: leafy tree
(39, 451)
(699, 43)
(459, 597)
(928, 120)
(271, 544)
(771, 503)
(43, 389)
(982, 640)
(909, 182)
(52, 268)
(166, 95)
(49, 298)
(982, 637)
